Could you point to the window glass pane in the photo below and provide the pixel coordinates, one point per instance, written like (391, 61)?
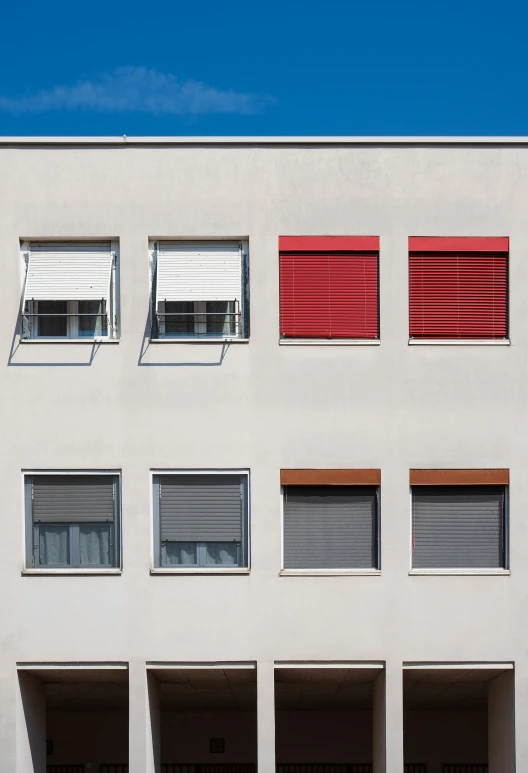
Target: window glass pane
(94, 544)
(220, 324)
(52, 326)
(92, 326)
(53, 544)
(179, 554)
(222, 553)
(179, 325)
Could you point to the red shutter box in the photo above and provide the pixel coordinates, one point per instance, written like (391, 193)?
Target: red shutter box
(458, 288)
(329, 286)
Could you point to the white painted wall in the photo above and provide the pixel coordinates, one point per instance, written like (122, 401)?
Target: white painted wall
(264, 407)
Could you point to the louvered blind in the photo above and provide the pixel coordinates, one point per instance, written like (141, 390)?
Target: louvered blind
(73, 498)
(458, 527)
(458, 295)
(329, 527)
(205, 271)
(332, 295)
(201, 508)
(68, 271)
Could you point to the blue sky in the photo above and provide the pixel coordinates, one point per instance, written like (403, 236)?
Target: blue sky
(377, 67)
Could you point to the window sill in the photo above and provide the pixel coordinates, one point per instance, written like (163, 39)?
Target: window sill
(461, 572)
(459, 342)
(330, 572)
(198, 570)
(62, 341)
(68, 572)
(198, 340)
(329, 341)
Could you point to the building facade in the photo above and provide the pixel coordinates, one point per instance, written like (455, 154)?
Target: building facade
(263, 455)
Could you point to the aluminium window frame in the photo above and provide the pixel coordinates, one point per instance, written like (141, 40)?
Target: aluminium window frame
(504, 571)
(29, 527)
(374, 571)
(242, 324)
(113, 309)
(156, 547)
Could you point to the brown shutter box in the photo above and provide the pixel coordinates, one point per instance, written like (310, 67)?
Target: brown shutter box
(459, 477)
(330, 477)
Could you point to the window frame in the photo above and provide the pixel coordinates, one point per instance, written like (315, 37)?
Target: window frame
(374, 571)
(437, 245)
(200, 333)
(500, 571)
(156, 545)
(31, 529)
(72, 323)
(321, 246)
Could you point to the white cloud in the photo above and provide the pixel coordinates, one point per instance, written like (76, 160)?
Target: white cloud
(138, 90)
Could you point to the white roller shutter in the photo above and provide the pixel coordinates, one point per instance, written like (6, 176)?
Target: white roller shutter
(199, 271)
(69, 271)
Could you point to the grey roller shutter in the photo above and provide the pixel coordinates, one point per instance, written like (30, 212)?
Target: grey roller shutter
(73, 498)
(330, 527)
(201, 508)
(458, 527)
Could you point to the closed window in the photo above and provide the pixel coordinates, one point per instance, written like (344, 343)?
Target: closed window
(69, 290)
(459, 527)
(330, 527)
(458, 288)
(201, 520)
(329, 287)
(200, 290)
(72, 520)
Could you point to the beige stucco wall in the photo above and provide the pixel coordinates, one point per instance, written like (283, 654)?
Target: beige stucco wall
(263, 407)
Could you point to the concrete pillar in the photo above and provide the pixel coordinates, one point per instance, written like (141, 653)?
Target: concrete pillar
(266, 717)
(501, 724)
(30, 724)
(144, 720)
(388, 720)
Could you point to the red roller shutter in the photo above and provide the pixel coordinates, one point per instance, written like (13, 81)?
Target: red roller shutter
(328, 289)
(458, 293)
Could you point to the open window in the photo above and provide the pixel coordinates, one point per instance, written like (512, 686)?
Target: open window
(69, 291)
(201, 520)
(72, 520)
(200, 290)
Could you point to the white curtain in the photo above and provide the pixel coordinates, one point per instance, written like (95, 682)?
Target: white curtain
(94, 545)
(224, 553)
(180, 553)
(53, 545)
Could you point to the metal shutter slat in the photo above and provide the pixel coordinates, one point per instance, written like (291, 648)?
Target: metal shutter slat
(73, 498)
(201, 508)
(210, 271)
(69, 271)
(329, 296)
(457, 527)
(329, 527)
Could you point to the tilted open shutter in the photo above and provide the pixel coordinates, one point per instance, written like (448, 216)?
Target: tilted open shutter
(458, 527)
(330, 295)
(329, 527)
(199, 271)
(73, 498)
(201, 508)
(458, 293)
(71, 271)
